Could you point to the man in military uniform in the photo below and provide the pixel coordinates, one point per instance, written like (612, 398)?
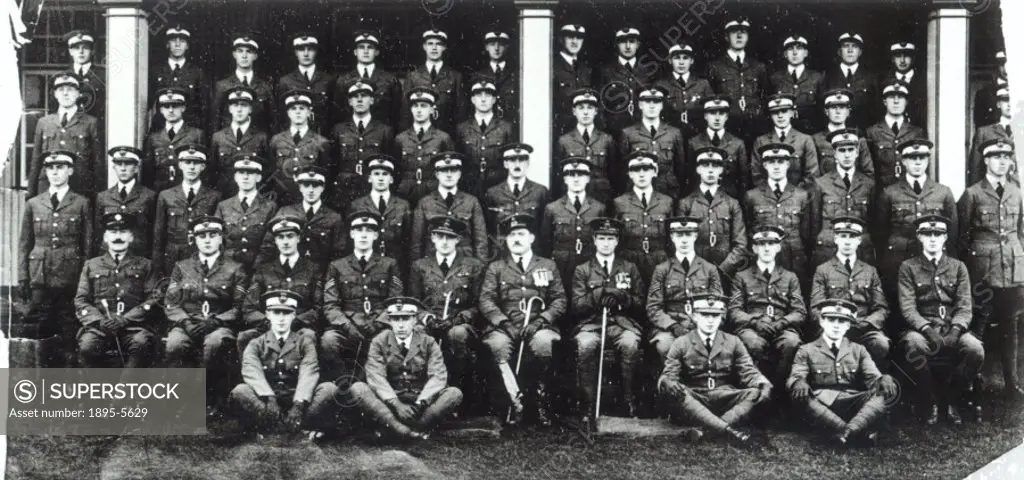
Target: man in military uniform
(280, 374)
(935, 299)
(625, 76)
(203, 304)
(721, 235)
(440, 78)
(517, 194)
(177, 206)
(902, 56)
(310, 78)
(735, 177)
(241, 137)
(323, 237)
(81, 46)
(355, 288)
(406, 388)
(607, 289)
(847, 276)
(709, 376)
(844, 191)
(802, 83)
(779, 201)
(245, 51)
(296, 147)
(889, 133)
(56, 238)
(416, 146)
(767, 308)
(803, 164)
(246, 214)
(565, 226)
(128, 197)
(663, 140)
(160, 168)
(448, 284)
(447, 200)
(395, 212)
(643, 210)
(571, 73)
(180, 72)
(991, 234)
(837, 111)
(742, 78)
(593, 145)
(518, 284)
(1000, 130)
(985, 109)
(506, 77)
(480, 137)
(685, 92)
(836, 383)
(387, 88)
(287, 270)
(68, 129)
(676, 282)
(116, 292)
(853, 76)
(356, 139)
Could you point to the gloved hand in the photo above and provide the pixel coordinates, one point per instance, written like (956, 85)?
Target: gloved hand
(608, 300)
(113, 323)
(678, 329)
(952, 337)
(675, 389)
(350, 330)
(621, 296)
(25, 291)
(535, 325)
(441, 325)
(463, 317)
(404, 412)
(460, 297)
(800, 391)
(764, 391)
(888, 386)
(509, 328)
(770, 330)
(196, 328)
(934, 338)
(295, 414)
(272, 412)
(419, 408)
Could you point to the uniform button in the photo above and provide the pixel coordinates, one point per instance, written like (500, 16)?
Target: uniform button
(364, 275)
(55, 214)
(117, 285)
(123, 207)
(516, 202)
(205, 291)
(578, 229)
(365, 287)
(777, 205)
(645, 226)
(245, 240)
(62, 142)
(206, 279)
(522, 277)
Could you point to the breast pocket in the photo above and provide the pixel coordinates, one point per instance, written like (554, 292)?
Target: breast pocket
(176, 219)
(765, 215)
(823, 373)
(988, 218)
(72, 226)
(831, 207)
(859, 207)
(563, 229)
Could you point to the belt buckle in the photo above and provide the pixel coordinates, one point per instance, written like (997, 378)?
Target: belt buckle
(206, 308)
(366, 305)
(483, 165)
(688, 308)
(743, 103)
(419, 175)
(120, 308)
(714, 239)
(359, 168)
(383, 251)
(522, 305)
(899, 170)
(770, 311)
(942, 312)
(684, 117)
(629, 107)
(646, 245)
(579, 246)
(171, 171)
(711, 383)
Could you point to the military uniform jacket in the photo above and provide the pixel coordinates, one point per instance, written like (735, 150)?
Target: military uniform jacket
(827, 155)
(506, 106)
(802, 170)
(160, 165)
(778, 296)
(54, 241)
(81, 135)
(452, 103)
(351, 150)
(139, 203)
(264, 107)
(986, 110)
(356, 295)
(429, 284)
(831, 199)
(464, 206)
(174, 214)
(244, 229)
(566, 80)
(735, 178)
(882, 143)
(850, 370)
(223, 287)
(483, 150)
(130, 289)
(670, 148)
(917, 104)
(792, 211)
(976, 168)
(393, 241)
(601, 152)
(322, 86)
(684, 103)
(415, 168)
(865, 104)
(506, 288)
(224, 147)
(386, 99)
(862, 286)
(93, 99)
(323, 239)
(744, 84)
(807, 89)
(931, 295)
(304, 279)
(418, 375)
(721, 235)
(312, 149)
(500, 203)
(589, 281)
(727, 364)
(644, 227)
(899, 207)
(290, 371)
(566, 234)
(615, 118)
(192, 80)
(992, 234)
(669, 301)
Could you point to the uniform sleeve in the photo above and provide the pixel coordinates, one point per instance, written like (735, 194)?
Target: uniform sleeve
(884, 220)
(743, 364)
(174, 297)
(637, 291)
(738, 251)
(810, 162)
(879, 305)
(376, 370)
(584, 300)
(864, 161)
(95, 180)
(743, 163)
(437, 374)
(964, 307)
(738, 305)
(87, 313)
(817, 196)
(416, 289)
(949, 210)
(867, 369)
(801, 367)
(395, 287)
(151, 293)
(232, 316)
(908, 298)
(159, 233)
(797, 309)
(557, 303)
(309, 318)
(679, 161)
(252, 370)
(309, 370)
(546, 240)
(419, 233)
(715, 282)
(975, 170)
(964, 208)
(332, 300)
(757, 172)
(26, 242)
(818, 290)
(656, 299)
(35, 166)
(673, 365)
(809, 214)
(479, 226)
(252, 314)
(489, 296)
(216, 106)
(88, 238)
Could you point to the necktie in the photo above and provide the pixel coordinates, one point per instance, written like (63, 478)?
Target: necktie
(483, 125)
(643, 200)
(170, 133)
(606, 267)
(177, 68)
(309, 213)
(206, 266)
(895, 128)
(708, 196)
(519, 262)
(917, 187)
(577, 204)
(53, 201)
(715, 139)
(309, 76)
(738, 60)
(64, 120)
(238, 135)
(846, 180)
(123, 193)
(1009, 132)
(79, 71)
(245, 80)
(901, 77)
(629, 67)
(361, 127)
(296, 138)
(707, 344)
(796, 79)
(778, 191)
(419, 134)
(191, 194)
(935, 263)
(682, 81)
(586, 136)
(449, 199)
(405, 349)
(767, 274)
(445, 266)
(287, 266)
(433, 73)
(999, 190)
(245, 205)
(362, 263)
(849, 268)
(653, 131)
(686, 265)
(516, 191)
(572, 64)
(382, 205)
(849, 73)
(835, 349)
(117, 260)
(782, 136)
(366, 74)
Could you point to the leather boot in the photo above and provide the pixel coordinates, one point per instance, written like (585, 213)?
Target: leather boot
(543, 418)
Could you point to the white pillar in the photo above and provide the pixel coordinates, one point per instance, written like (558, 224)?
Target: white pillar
(127, 74)
(536, 31)
(948, 122)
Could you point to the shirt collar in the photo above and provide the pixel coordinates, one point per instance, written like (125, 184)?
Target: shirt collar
(1003, 121)
(842, 171)
(689, 257)
(781, 183)
(684, 76)
(889, 119)
(512, 183)
(442, 258)
(369, 69)
(291, 259)
(1001, 81)
(763, 266)
(851, 258)
(495, 64)
(993, 180)
(704, 338)
(922, 179)
(647, 126)
(935, 259)
(573, 196)
(185, 186)
(240, 75)
(568, 58)
(70, 111)
(367, 255)
(127, 186)
(832, 127)
(209, 261)
(365, 119)
(315, 206)
(737, 55)
(172, 63)
(376, 196)
(250, 198)
(300, 130)
(282, 338)
(526, 258)
(176, 126)
(781, 132)
(445, 191)
(243, 126)
(907, 75)
(425, 127)
(310, 70)
(711, 133)
(830, 343)
(60, 191)
(709, 188)
(602, 259)
(439, 64)
(588, 130)
(649, 192)
(631, 61)
(852, 68)
(85, 67)
(799, 69)
(484, 117)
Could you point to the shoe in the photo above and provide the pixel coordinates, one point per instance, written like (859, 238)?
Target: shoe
(870, 440)
(542, 415)
(842, 439)
(933, 415)
(739, 437)
(515, 416)
(954, 415)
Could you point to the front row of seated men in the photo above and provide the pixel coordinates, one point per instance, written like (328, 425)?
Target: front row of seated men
(521, 305)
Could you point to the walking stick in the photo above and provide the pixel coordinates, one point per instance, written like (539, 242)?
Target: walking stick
(600, 364)
(522, 339)
(117, 340)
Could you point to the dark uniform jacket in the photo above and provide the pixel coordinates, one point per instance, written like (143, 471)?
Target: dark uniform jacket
(670, 147)
(225, 146)
(506, 288)
(793, 211)
(808, 89)
(992, 234)
(140, 203)
(419, 375)
(174, 215)
(722, 235)
(223, 288)
(883, 145)
(415, 169)
(324, 237)
(429, 284)
(287, 157)
(288, 372)
(393, 241)
(464, 206)
(387, 98)
(129, 287)
(745, 83)
(613, 117)
(898, 208)
(351, 149)
(986, 108)
(827, 155)
(644, 237)
(506, 105)
(500, 203)
(304, 278)
(244, 230)
(850, 370)
(452, 103)
(566, 80)
(670, 299)
(736, 176)
(159, 164)
(685, 102)
(831, 199)
(727, 364)
(802, 170)
(589, 283)
(778, 297)
(190, 78)
(484, 168)
(322, 87)
(81, 135)
(355, 295)
(938, 296)
(865, 105)
(862, 286)
(54, 241)
(93, 99)
(264, 106)
(976, 168)
(565, 234)
(601, 152)
(917, 104)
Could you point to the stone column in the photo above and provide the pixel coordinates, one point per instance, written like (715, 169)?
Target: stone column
(127, 61)
(536, 34)
(948, 122)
